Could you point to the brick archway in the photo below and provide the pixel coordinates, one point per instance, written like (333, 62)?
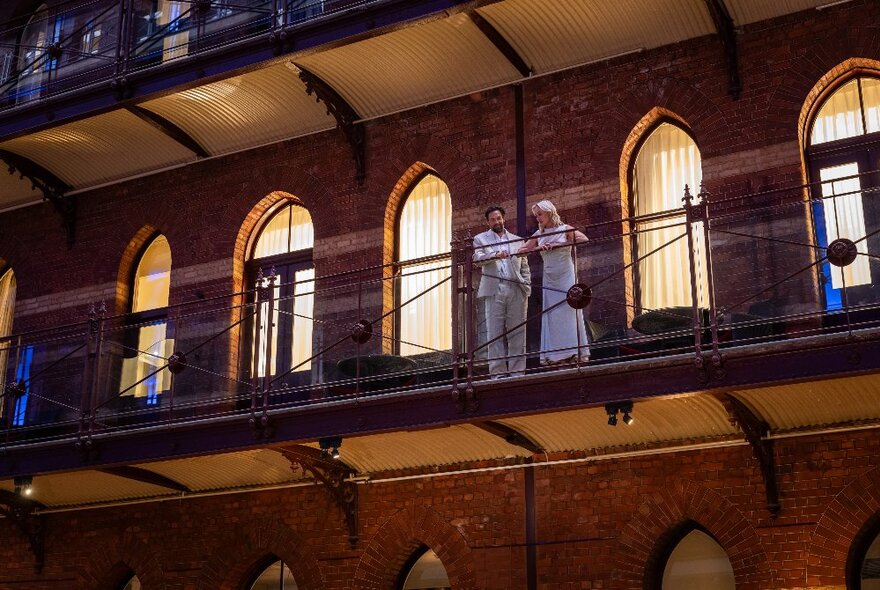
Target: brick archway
(388, 551)
(111, 563)
(127, 266)
(238, 556)
(837, 528)
(643, 539)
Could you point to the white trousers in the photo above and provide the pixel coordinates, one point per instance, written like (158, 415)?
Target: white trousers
(505, 311)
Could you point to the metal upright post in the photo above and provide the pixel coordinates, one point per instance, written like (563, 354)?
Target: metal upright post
(691, 212)
(455, 279)
(710, 279)
(577, 328)
(270, 336)
(96, 364)
(468, 251)
(256, 361)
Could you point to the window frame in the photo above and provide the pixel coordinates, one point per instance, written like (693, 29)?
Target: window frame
(666, 545)
(858, 550)
(864, 150)
(298, 260)
(399, 265)
(638, 308)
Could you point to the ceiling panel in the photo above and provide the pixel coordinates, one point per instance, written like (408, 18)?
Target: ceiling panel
(744, 12)
(563, 33)
(655, 421)
(245, 111)
(417, 65)
(816, 403)
(15, 191)
(87, 487)
(227, 470)
(100, 149)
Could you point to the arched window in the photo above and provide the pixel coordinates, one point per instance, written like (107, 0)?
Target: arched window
(698, 562)
(32, 59)
(425, 572)
(666, 161)
(284, 242)
(132, 584)
(147, 346)
(275, 577)
(7, 307)
(843, 158)
(863, 561)
(424, 229)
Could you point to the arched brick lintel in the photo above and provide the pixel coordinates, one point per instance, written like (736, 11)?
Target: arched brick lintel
(838, 527)
(388, 551)
(115, 559)
(237, 557)
(642, 540)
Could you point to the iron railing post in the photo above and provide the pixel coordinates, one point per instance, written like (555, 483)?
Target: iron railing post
(713, 315)
(455, 279)
(468, 251)
(692, 211)
(257, 358)
(270, 336)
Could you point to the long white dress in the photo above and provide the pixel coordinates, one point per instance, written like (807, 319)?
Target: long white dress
(562, 328)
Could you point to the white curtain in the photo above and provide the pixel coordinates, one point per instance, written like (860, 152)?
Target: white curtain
(840, 117)
(845, 218)
(698, 561)
(871, 103)
(668, 160)
(425, 229)
(7, 307)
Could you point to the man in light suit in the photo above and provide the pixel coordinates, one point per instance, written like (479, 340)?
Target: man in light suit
(504, 289)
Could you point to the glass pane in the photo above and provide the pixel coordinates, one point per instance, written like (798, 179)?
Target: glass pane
(427, 573)
(698, 563)
(153, 277)
(871, 103)
(133, 584)
(275, 236)
(871, 567)
(668, 161)
(153, 350)
(840, 116)
(267, 363)
(845, 218)
(426, 220)
(275, 577)
(303, 308)
(289, 230)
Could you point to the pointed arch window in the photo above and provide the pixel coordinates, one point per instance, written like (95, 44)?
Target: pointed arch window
(843, 157)
(148, 345)
(425, 572)
(277, 576)
(284, 243)
(666, 162)
(132, 584)
(698, 562)
(424, 231)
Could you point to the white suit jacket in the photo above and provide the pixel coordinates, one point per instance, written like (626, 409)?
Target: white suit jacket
(485, 247)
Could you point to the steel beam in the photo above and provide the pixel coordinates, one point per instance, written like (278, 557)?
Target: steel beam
(727, 35)
(501, 44)
(169, 129)
(145, 476)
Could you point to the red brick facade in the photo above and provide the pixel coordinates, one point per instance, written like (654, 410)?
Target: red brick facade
(600, 523)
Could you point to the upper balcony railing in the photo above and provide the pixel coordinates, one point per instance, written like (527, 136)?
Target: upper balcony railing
(752, 271)
(84, 42)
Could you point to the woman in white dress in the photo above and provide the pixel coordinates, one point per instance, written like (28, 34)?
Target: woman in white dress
(562, 327)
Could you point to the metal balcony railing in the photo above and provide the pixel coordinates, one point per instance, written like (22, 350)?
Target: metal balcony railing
(85, 42)
(753, 272)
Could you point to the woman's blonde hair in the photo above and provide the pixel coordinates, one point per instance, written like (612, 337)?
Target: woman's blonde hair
(550, 208)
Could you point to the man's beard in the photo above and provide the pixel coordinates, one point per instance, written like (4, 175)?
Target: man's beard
(498, 228)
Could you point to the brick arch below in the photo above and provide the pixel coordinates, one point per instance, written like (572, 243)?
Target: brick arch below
(838, 527)
(114, 560)
(396, 541)
(238, 556)
(645, 538)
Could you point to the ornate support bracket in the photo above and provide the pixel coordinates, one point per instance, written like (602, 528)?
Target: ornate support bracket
(52, 187)
(727, 33)
(21, 513)
(333, 475)
(755, 429)
(345, 116)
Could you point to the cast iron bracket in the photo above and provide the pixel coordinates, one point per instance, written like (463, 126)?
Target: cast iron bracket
(21, 513)
(755, 430)
(345, 116)
(727, 34)
(52, 187)
(333, 475)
